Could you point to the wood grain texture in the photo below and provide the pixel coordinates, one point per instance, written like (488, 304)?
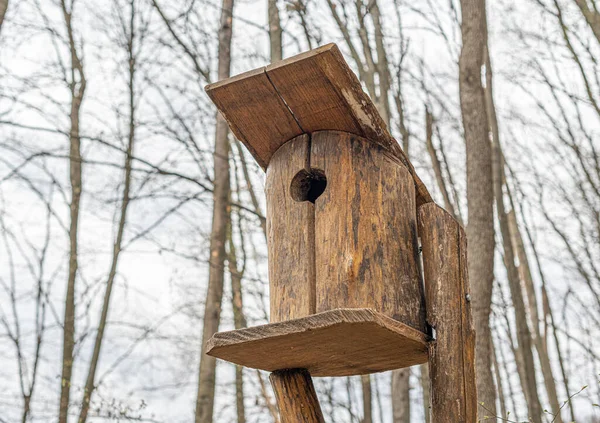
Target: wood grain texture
(452, 354)
(296, 397)
(290, 235)
(366, 244)
(309, 92)
(255, 112)
(341, 342)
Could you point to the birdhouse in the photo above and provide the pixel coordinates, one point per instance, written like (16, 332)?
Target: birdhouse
(346, 286)
(344, 271)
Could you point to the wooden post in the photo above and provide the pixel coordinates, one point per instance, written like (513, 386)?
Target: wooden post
(296, 396)
(452, 354)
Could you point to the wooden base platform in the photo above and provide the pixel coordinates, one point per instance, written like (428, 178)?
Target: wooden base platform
(342, 342)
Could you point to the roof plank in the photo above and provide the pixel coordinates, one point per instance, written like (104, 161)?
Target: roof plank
(313, 91)
(255, 112)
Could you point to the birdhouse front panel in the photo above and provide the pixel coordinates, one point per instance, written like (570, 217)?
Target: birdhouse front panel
(290, 240)
(366, 242)
(341, 219)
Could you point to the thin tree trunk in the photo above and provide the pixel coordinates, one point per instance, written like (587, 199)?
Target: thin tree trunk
(382, 63)
(435, 163)
(253, 198)
(367, 399)
(480, 197)
(77, 86)
(524, 350)
(3, 9)
(500, 388)
(401, 396)
(275, 32)
(511, 391)
(268, 402)
(239, 322)
(539, 341)
(89, 385)
(523, 332)
(552, 323)
(424, 376)
(592, 16)
(212, 309)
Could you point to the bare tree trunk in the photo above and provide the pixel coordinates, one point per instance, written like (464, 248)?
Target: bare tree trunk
(435, 163)
(382, 63)
(500, 388)
(521, 320)
(552, 323)
(538, 340)
(591, 15)
(89, 385)
(367, 399)
(524, 350)
(511, 392)
(212, 309)
(480, 197)
(275, 32)
(268, 402)
(3, 9)
(425, 385)
(400, 396)
(77, 86)
(239, 322)
(250, 188)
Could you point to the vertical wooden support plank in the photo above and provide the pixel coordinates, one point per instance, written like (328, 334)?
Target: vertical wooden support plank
(290, 232)
(452, 354)
(366, 242)
(296, 397)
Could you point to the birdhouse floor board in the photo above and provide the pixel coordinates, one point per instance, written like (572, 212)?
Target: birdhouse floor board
(341, 342)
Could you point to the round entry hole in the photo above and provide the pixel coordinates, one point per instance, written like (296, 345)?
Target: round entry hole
(308, 185)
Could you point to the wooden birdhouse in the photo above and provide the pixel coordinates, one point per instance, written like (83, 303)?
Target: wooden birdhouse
(345, 212)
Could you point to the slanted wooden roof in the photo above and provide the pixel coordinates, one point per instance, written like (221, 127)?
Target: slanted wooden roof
(313, 91)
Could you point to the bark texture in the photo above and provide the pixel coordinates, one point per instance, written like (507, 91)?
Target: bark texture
(480, 197)
(296, 397)
(367, 399)
(539, 340)
(424, 376)
(275, 32)
(77, 86)
(3, 9)
(524, 350)
(401, 396)
(239, 321)
(591, 15)
(212, 309)
(91, 376)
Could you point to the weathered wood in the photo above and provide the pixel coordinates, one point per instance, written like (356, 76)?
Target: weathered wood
(323, 93)
(365, 230)
(255, 112)
(290, 234)
(341, 342)
(452, 354)
(296, 397)
(309, 92)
